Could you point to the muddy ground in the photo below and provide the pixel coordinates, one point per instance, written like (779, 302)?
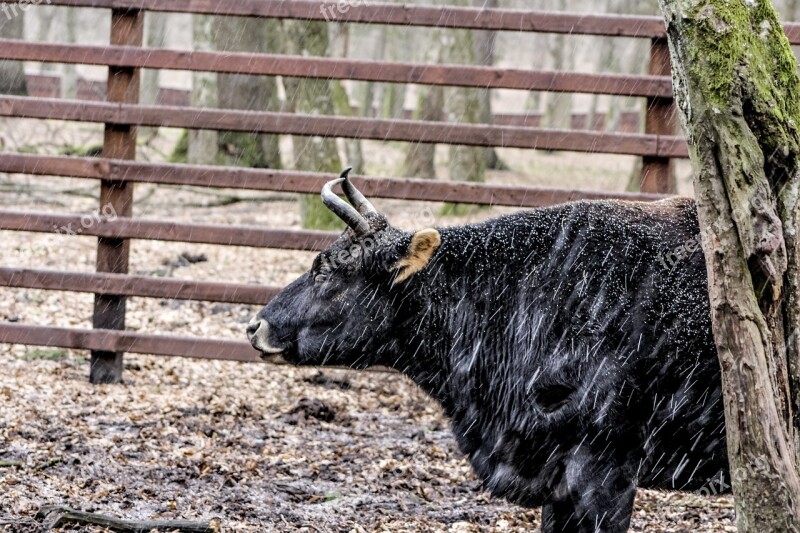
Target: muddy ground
(260, 447)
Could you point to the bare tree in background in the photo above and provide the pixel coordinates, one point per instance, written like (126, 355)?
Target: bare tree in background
(243, 91)
(340, 47)
(463, 105)
(538, 41)
(315, 97)
(369, 90)
(420, 158)
(45, 14)
(201, 146)
(12, 73)
(558, 106)
(607, 60)
(69, 81)
(485, 44)
(155, 37)
(400, 45)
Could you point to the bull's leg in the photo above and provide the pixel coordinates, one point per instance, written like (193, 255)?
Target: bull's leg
(596, 497)
(565, 517)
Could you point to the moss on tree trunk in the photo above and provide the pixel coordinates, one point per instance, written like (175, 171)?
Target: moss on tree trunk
(739, 97)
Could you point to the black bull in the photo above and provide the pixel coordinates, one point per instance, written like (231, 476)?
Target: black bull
(570, 346)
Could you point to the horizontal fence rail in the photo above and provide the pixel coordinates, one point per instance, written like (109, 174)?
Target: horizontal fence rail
(49, 86)
(301, 182)
(126, 341)
(649, 27)
(136, 228)
(143, 343)
(143, 286)
(341, 69)
(401, 15)
(346, 127)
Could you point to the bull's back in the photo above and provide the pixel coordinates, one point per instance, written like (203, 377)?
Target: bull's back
(611, 341)
(648, 300)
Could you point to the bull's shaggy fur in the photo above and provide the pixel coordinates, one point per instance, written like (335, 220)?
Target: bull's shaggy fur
(573, 360)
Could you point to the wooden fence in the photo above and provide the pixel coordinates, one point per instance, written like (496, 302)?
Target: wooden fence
(117, 170)
(49, 86)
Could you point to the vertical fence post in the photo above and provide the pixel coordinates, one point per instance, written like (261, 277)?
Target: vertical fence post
(660, 119)
(119, 142)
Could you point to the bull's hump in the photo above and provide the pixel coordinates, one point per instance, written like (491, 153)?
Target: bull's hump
(656, 227)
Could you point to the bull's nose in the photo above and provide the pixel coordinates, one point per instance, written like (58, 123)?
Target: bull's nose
(258, 335)
(252, 328)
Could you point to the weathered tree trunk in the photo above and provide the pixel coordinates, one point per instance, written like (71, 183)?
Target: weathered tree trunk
(312, 96)
(738, 91)
(12, 73)
(243, 91)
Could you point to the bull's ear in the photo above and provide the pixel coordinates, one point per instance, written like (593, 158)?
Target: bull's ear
(423, 245)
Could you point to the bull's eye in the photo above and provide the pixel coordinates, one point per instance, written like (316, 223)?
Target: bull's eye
(322, 274)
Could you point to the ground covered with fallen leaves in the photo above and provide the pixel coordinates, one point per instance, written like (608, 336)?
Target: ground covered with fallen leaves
(262, 448)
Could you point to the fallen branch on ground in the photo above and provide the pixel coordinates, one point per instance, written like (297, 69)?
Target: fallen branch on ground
(54, 516)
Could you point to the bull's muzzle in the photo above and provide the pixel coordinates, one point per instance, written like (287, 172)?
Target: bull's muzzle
(258, 335)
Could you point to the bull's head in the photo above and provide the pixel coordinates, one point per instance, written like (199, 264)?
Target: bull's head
(343, 310)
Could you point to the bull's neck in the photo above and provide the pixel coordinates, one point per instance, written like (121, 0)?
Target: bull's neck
(423, 348)
(430, 326)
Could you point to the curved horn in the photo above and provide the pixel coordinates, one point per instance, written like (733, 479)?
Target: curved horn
(342, 209)
(355, 197)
